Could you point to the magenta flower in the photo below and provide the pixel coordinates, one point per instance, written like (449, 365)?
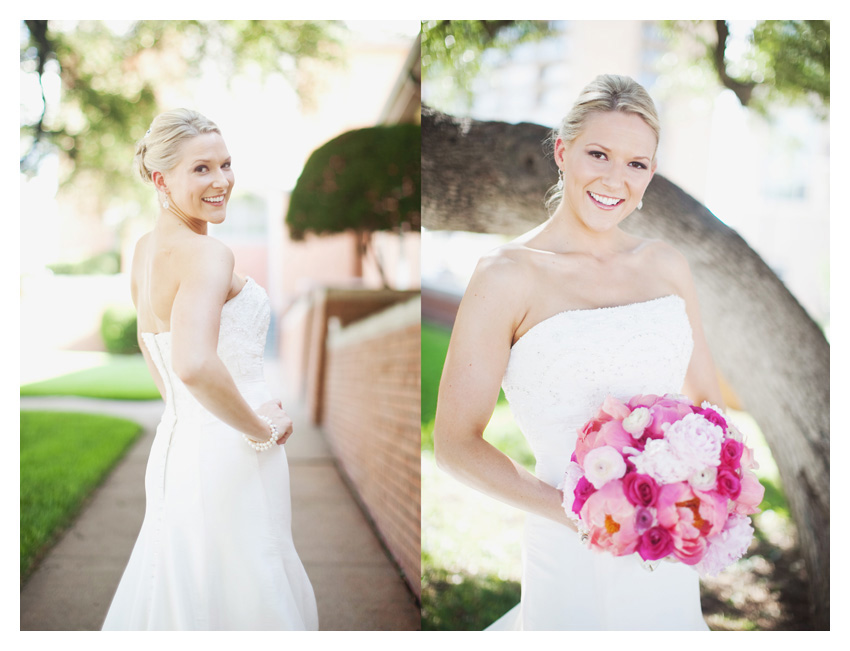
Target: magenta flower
(655, 543)
(583, 490)
(640, 490)
(731, 452)
(728, 483)
(712, 416)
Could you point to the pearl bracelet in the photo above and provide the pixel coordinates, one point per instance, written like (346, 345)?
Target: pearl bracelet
(265, 445)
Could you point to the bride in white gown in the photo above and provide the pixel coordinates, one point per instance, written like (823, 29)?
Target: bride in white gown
(561, 317)
(215, 551)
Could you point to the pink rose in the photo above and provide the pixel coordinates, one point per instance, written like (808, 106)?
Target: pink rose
(655, 543)
(728, 483)
(583, 490)
(731, 452)
(641, 490)
(751, 495)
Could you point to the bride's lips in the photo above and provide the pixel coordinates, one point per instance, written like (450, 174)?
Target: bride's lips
(218, 200)
(604, 201)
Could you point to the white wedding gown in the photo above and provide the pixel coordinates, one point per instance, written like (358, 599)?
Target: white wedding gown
(557, 377)
(215, 551)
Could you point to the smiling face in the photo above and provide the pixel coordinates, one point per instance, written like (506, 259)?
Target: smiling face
(200, 184)
(607, 168)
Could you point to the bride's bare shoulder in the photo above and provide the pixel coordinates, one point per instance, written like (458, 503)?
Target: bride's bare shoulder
(507, 265)
(669, 265)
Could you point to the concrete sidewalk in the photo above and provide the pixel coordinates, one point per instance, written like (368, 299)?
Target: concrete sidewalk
(357, 586)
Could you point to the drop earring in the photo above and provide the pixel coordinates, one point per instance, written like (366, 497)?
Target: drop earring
(560, 179)
(640, 204)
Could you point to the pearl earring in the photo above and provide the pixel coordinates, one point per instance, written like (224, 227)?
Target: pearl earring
(165, 204)
(560, 179)
(640, 204)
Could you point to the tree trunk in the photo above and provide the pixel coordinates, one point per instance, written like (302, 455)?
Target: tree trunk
(491, 177)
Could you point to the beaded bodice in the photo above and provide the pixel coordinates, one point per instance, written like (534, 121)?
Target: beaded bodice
(562, 369)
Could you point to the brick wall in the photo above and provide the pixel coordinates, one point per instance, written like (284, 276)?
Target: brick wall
(371, 419)
(304, 330)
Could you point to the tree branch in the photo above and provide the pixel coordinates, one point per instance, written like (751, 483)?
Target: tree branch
(744, 90)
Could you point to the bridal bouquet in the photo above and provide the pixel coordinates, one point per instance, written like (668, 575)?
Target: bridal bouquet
(663, 478)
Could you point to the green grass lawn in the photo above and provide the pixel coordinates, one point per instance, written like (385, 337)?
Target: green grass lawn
(92, 375)
(64, 456)
(470, 542)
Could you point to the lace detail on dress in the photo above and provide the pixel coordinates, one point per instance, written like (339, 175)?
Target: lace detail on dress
(562, 369)
(244, 326)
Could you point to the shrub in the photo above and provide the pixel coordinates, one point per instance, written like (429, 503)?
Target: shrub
(108, 262)
(118, 330)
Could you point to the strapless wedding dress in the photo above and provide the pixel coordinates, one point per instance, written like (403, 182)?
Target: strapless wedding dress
(557, 376)
(215, 551)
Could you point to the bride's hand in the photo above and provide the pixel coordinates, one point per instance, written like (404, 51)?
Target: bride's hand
(273, 410)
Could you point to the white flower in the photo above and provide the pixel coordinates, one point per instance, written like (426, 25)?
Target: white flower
(727, 546)
(704, 479)
(689, 446)
(695, 441)
(637, 421)
(659, 461)
(602, 465)
(733, 432)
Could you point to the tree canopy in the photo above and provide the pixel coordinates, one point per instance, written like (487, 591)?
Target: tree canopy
(363, 180)
(785, 61)
(452, 49)
(113, 72)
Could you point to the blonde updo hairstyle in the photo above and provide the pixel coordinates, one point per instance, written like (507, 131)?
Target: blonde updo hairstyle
(159, 150)
(606, 93)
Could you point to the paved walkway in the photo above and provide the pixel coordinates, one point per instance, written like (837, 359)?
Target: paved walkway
(357, 587)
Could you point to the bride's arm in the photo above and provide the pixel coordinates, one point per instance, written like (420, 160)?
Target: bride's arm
(206, 272)
(475, 363)
(701, 382)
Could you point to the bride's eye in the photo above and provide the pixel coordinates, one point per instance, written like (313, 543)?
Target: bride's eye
(638, 165)
(597, 155)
